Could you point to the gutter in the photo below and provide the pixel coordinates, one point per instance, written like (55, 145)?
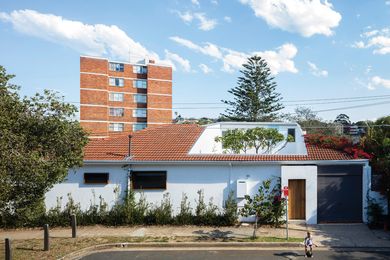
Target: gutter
(322, 162)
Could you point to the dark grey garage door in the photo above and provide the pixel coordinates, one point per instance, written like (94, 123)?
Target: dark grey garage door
(339, 196)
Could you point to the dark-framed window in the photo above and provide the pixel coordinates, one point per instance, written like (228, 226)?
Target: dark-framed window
(96, 178)
(149, 180)
(291, 132)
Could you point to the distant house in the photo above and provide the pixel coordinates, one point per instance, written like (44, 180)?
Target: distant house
(325, 185)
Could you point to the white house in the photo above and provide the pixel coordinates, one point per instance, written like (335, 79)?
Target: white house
(325, 185)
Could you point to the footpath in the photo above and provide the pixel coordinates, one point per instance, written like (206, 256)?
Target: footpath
(327, 235)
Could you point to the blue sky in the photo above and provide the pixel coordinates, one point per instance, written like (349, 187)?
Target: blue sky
(316, 49)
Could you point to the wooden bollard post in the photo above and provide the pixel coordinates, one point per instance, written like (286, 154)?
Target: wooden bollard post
(74, 225)
(46, 242)
(8, 249)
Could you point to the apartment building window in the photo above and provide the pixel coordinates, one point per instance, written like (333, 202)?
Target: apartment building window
(139, 126)
(139, 83)
(139, 112)
(149, 180)
(117, 82)
(140, 98)
(116, 96)
(140, 69)
(113, 66)
(116, 127)
(117, 112)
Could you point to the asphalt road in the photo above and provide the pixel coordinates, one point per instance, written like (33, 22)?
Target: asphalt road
(236, 254)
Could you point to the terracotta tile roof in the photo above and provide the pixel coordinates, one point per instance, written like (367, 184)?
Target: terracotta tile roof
(173, 142)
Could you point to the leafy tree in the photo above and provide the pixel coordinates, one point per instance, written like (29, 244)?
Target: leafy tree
(267, 205)
(377, 142)
(239, 140)
(343, 119)
(39, 142)
(255, 98)
(311, 123)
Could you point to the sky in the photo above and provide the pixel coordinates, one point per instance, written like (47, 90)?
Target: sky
(332, 56)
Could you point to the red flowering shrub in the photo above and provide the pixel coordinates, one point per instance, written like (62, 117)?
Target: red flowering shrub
(338, 143)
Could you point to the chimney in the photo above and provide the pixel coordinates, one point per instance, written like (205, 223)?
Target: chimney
(152, 61)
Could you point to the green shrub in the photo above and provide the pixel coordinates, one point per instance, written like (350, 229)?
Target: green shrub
(162, 214)
(230, 213)
(375, 213)
(185, 216)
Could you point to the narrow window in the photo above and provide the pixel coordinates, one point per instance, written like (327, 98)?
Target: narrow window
(291, 134)
(139, 83)
(140, 98)
(149, 180)
(117, 111)
(117, 82)
(96, 178)
(116, 97)
(139, 126)
(116, 127)
(139, 112)
(113, 66)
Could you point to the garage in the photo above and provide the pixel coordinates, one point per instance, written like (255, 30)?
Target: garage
(339, 198)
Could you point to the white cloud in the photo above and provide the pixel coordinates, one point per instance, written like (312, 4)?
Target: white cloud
(378, 81)
(97, 39)
(306, 17)
(279, 60)
(317, 71)
(208, 48)
(379, 40)
(214, 2)
(186, 16)
(227, 19)
(205, 69)
(359, 45)
(195, 2)
(174, 59)
(204, 23)
(387, 2)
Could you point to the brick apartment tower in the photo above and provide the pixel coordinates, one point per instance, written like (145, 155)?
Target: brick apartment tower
(118, 97)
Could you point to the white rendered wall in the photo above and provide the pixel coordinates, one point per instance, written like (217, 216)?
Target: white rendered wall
(215, 180)
(308, 173)
(83, 193)
(206, 142)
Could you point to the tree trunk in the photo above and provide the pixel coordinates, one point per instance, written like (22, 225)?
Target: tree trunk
(255, 228)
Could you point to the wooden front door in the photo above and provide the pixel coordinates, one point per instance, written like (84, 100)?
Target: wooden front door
(296, 199)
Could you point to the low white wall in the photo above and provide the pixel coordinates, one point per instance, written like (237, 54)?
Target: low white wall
(308, 173)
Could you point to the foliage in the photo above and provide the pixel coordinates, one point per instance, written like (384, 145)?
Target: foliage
(311, 123)
(185, 216)
(338, 143)
(161, 214)
(38, 144)
(230, 213)
(267, 205)
(377, 143)
(239, 140)
(374, 212)
(255, 98)
(342, 119)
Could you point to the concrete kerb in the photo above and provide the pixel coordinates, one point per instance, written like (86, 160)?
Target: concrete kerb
(182, 245)
(206, 246)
